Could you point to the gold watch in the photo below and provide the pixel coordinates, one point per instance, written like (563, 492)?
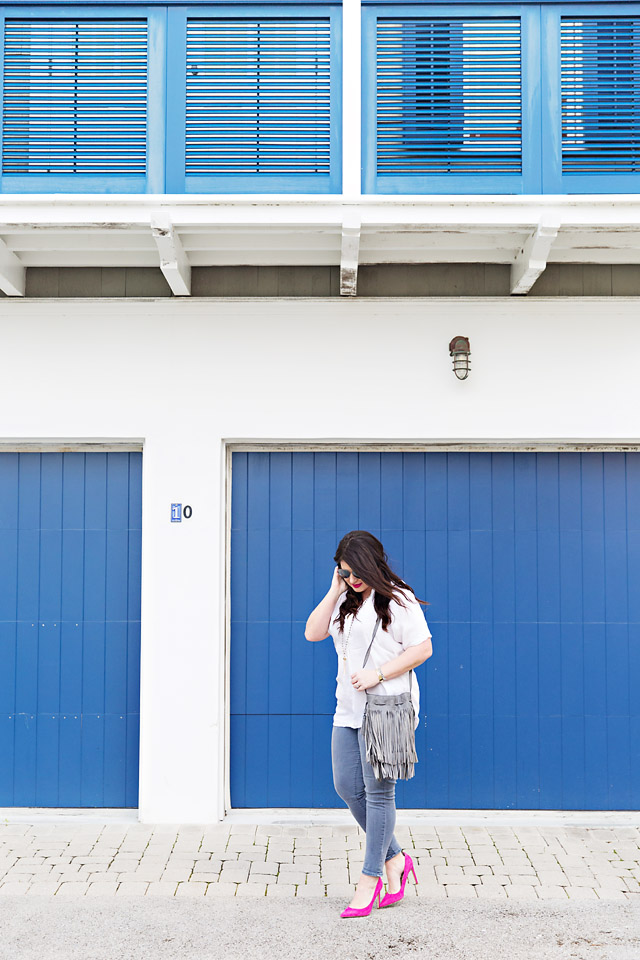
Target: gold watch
(381, 676)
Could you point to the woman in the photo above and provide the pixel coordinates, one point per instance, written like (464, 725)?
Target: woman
(363, 588)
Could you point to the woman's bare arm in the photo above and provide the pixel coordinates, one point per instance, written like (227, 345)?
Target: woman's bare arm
(317, 627)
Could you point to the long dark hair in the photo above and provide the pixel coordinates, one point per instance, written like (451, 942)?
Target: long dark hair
(365, 555)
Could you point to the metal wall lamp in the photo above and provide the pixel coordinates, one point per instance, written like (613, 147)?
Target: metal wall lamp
(460, 350)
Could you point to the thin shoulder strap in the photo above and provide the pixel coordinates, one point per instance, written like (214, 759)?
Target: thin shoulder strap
(375, 630)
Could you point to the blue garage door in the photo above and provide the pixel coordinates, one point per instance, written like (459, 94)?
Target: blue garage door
(70, 529)
(531, 565)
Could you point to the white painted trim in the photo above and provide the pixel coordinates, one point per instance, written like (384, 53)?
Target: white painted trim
(71, 446)
(174, 262)
(113, 212)
(351, 99)
(531, 260)
(13, 273)
(224, 798)
(436, 446)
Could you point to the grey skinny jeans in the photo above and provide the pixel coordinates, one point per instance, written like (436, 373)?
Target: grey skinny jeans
(372, 802)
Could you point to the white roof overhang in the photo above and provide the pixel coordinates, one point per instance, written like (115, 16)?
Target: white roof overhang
(176, 233)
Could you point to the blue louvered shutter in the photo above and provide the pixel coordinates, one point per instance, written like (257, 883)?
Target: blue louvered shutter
(600, 95)
(258, 99)
(448, 97)
(75, 97)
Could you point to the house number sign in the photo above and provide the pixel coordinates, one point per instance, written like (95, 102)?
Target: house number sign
(178, 512)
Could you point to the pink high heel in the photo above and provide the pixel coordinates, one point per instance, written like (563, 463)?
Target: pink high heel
(390, 898)
(364, 911)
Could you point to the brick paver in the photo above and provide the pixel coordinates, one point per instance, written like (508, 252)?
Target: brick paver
(71, 859)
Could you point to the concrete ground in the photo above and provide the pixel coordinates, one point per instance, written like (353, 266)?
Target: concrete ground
(79, 887)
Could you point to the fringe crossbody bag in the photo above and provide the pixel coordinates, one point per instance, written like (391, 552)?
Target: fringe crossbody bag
(388, 730)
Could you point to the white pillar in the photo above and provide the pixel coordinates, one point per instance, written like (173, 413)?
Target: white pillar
(351, 99)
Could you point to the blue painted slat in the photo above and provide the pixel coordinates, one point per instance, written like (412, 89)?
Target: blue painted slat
(346, 492)
(116, 586)
(550, 715)
(391, 466)
(525, 544)
(70, 763)
(238, 744)
(482, 776)
(320, 728)
(50, 597)
(73, 467)
(115, 757)
(25, 770)
(324, 485)
(369, 493)
(257, 667)
(47, 766)
(115, 668)
(9, 487)
(528, 682)
(238, 668)
(51, 491)
(92, 764)
(8, 573)
(48, 668)
(459, 683)
(282, 760)
(133, 754)
(570, 521)
(548, 540)
(616, 545)
(283, 640)
(257, 758)
(7, 746)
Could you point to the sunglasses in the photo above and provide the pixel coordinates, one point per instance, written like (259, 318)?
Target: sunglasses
(345, 574)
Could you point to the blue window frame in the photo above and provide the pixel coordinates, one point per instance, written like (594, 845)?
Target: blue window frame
(448, 92)
(178, 99)
(83, 99)
(258, 107)
(465, 98)
(591, 118)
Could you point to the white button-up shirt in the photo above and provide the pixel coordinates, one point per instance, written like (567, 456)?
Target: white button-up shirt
(408, 628)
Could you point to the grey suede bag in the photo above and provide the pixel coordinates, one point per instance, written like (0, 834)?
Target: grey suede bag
(388, 730)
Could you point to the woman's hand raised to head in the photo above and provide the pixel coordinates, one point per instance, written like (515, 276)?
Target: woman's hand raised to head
(317, 627)
(338, 584)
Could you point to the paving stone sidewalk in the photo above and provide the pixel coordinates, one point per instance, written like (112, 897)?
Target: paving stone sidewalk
(245, 860)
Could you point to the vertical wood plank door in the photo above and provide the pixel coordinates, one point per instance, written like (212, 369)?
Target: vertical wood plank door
(531, 566)
(70, 538)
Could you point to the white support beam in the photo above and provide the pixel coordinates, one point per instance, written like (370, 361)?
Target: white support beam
(13, 273)
(173, 260)
(349, 255)
(531, 259)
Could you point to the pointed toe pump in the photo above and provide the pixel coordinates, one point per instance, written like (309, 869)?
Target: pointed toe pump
(390, 898)
(365, 911)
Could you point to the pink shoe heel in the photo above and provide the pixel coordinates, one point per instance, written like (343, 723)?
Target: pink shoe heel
(390, 898)
(364, 911)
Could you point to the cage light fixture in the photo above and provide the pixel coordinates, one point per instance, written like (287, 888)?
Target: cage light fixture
(460, 350)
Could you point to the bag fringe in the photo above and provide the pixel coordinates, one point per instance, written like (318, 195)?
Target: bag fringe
(389, 736)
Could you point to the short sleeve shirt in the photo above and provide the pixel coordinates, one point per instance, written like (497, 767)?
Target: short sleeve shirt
(408, 628)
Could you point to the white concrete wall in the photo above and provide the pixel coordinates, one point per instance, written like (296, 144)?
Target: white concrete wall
(185, 375)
